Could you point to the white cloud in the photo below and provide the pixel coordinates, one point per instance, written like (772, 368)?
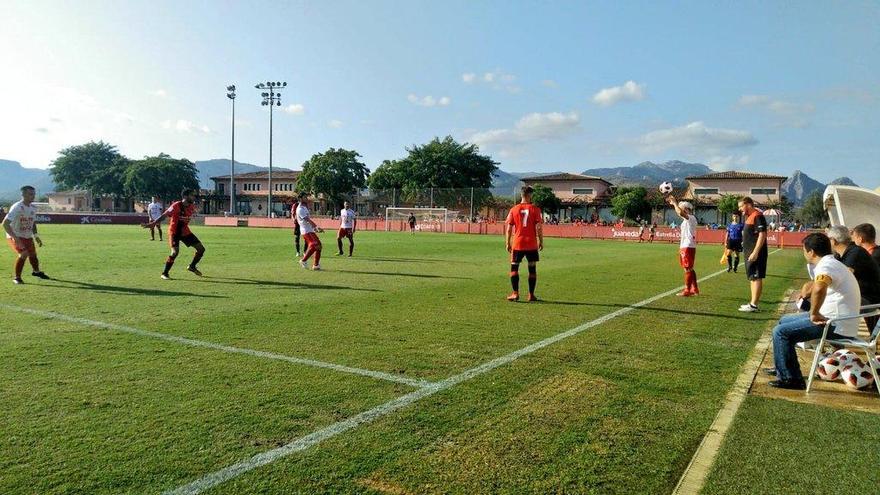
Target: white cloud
(696, 137)
(790, 113)
(161, 93)
(183, 125)
(335, 124)
(549, 83)
(497, 80)
(429, 101)
(469, 77)
(629, 91)
(295, 109)
(727, 162)
(43, 130)
(530, 128)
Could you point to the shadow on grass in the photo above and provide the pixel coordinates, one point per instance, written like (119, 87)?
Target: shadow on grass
(397, 274)
(768, 316)
(275, 283)
(129, 291)
(407, 260)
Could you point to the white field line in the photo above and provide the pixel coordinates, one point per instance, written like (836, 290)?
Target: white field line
(694, 477)
(219, 347)
(230, 472)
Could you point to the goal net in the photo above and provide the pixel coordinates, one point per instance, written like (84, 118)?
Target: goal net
(426, 219)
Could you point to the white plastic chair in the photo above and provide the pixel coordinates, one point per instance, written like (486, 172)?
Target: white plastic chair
(869, 347)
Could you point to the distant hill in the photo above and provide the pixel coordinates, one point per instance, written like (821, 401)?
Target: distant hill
(506, 183)
(13, 176)
(220, 166)
(800, 185)
(650, 173)
(843, 181)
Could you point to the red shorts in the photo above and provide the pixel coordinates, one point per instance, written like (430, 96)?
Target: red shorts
(312, 239)
(686, 257)
(28, 246)
(345, 233)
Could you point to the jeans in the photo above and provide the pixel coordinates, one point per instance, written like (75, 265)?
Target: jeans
(790, 330)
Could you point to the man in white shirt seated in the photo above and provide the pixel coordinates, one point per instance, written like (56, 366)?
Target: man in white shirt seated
(835, 293)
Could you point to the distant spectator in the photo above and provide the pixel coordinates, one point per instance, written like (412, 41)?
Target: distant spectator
(865, 236)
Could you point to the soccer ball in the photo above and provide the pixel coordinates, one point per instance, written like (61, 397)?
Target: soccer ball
(846, 358)
(855, 376)
(666, 188)
(829, 368)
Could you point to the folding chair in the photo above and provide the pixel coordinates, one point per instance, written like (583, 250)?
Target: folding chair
(869, 347)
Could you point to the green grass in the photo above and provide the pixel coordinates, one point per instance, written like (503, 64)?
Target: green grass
(776, 446)
(619, 408)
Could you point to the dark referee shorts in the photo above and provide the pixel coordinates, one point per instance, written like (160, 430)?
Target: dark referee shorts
(735, 245)
(189, 240)
(758, 269)
(531, 256)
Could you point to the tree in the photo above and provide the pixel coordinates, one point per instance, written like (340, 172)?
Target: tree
(728, 204)
(784, 206)
(543, 198)
(813, 210)
(96, 167)
(630, 202)
(437, 164)
(160, 175)
(336, 173)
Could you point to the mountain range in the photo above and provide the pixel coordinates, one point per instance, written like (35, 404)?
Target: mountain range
(796, 188)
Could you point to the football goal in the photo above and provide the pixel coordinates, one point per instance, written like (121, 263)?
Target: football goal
(426, 219)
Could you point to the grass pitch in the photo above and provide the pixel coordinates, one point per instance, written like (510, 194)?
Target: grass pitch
(619, 408)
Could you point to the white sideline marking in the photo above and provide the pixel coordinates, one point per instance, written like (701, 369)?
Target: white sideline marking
(230, 472)
(220, 347)
(694, 477)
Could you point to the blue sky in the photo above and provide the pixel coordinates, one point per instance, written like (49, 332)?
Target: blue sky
(541, 86)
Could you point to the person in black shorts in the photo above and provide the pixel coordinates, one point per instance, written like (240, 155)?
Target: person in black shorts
(755, 247)
(412, 223)
(296, 232)
(180, 213)
(733, 241)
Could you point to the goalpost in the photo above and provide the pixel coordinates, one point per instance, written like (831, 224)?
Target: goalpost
(427, 219)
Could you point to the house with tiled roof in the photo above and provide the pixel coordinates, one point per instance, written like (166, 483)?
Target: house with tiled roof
(581, 195)
(706, 190)
(252, 191)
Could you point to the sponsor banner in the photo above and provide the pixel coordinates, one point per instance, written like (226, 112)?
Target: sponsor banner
(91, 218)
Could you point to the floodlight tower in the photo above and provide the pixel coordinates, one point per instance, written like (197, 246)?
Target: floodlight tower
(272, 98)
(230, 93)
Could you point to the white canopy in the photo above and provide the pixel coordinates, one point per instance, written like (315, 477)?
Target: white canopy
(850, 206)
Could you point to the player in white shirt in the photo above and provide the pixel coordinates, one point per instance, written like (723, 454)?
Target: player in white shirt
(687, 253)
(835, 292)
(308, 228)
(20, 225)
(154, 211)
(347, 226)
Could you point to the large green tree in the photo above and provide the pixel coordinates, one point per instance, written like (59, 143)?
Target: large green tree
(95, 166)
(630, 202)
(336, 173)
(728, 204)
(813, 210)
(160, 175)
(544, 198)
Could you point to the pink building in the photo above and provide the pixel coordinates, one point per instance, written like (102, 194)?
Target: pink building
(581, 195)
(706, 190)
(252, 192)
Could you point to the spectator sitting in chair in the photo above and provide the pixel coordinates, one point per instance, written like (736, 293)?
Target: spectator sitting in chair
(834, 293)
(865, 236)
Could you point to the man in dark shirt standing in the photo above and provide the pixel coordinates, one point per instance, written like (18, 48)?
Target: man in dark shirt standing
(865, 236)
(755, 247)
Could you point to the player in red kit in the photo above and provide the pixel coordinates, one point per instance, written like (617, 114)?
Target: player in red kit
(180, 213)
(525, 238)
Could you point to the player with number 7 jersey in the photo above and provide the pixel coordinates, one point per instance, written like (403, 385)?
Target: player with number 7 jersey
(525, 238)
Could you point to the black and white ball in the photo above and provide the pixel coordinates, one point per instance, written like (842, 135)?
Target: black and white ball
(666, 188)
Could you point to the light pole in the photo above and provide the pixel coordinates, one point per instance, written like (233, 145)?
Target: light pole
(231, 95)
(271, 98)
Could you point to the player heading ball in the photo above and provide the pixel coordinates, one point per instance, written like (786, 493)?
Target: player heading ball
(525, 238)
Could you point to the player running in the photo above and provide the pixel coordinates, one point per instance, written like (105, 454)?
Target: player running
(296, 230)
(308, 227)
(180, 213)
(412, 224)
(642, 228)
(20, 225)
(524, 226)
(154, 211)
(652, 232)
(733, 241)
(687, 252)
(347, 226)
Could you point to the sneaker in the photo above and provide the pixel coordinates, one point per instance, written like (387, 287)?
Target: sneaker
(532, 298)
(349, 256)
(316, 268)
(40, 275)
(194, 270)
(748, 308)
(788, 384)
(729, 270)
(339, 254)
(304, 265)
(685, 293)
(165, 276)
(513, 297)
(17, 281)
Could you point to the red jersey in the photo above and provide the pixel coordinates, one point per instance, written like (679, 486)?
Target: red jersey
(524, 217)
(179, 215)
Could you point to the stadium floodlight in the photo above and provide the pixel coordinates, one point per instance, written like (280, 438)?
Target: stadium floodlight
(231, 96)
(271, 99)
